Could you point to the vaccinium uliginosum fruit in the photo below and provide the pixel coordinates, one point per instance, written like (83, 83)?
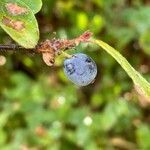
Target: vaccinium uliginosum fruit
(80, 69)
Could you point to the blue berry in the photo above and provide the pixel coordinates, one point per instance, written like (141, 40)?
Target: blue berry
(80, 69)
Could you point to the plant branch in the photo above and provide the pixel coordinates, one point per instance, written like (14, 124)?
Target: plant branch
(53, 47)
(16, 48)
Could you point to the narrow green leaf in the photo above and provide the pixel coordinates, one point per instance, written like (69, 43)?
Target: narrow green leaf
(35, 5)
(18, 20)
(142, 85)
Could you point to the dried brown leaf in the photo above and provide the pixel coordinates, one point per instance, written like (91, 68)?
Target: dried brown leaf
(48, 58)
(52, 48)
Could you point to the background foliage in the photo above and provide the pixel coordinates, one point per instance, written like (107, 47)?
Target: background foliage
(41, 109)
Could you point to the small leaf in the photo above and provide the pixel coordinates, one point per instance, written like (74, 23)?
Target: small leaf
(48, 58)
(138, 80)
(17, 19)
(35, 5)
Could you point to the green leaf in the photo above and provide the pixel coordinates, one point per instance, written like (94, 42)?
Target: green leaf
(18, 20)
(111, 114)
(138, 19)
(143, 136)
(35, 5)
(145, 41)
(140, 83)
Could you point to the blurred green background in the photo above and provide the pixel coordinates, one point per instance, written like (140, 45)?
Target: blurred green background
(40, 109)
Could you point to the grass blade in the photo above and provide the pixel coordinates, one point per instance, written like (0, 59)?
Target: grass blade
(142, 85)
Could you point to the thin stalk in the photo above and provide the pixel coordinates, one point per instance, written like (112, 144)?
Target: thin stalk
(16, 48)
